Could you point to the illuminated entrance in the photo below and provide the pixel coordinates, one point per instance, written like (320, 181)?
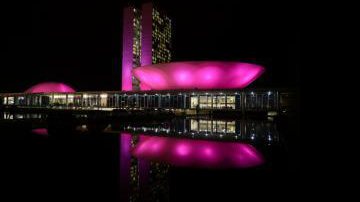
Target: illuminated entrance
(213, 102)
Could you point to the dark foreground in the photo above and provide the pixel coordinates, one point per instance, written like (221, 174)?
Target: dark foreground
(135, 161)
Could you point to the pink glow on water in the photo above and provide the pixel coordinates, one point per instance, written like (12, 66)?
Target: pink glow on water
(208, 152)
(182, 149)
(40, 131)
(198, 153)
(155, 147)
(198, 75)
(125, 161)
(50, 87)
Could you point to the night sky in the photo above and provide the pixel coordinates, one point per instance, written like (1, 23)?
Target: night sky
(80, 43)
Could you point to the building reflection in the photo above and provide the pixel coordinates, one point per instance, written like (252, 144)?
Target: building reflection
(145, 161)
(18, 116)
(139, 178)
(260, 131)
(197, 153)
(40, 131)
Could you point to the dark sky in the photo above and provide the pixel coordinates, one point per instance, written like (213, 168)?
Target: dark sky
(79, 43)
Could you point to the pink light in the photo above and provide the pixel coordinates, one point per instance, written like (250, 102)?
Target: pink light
(210, 73)
(155, 147)
(154, 76)
(125, 160)
(144, 86)
(40, 131)
(182, 149)
(208, 152)
(198, 75)
(147, 31)
(127, 51)
(182, 76)
(198, 153)
(50, 87)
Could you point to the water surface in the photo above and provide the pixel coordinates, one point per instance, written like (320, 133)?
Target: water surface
(174, 160)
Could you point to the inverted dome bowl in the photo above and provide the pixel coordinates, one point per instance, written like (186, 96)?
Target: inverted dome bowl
(197, 75)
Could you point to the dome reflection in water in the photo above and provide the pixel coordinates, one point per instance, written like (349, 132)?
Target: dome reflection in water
(40, 131)
(197, 153)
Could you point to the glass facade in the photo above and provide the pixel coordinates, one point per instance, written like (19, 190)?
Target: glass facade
(238, 130)
(161, 44)
(136, 45)
(137, 38)
(231, 100)
(213, 102)
(213, 126)
(149, 41)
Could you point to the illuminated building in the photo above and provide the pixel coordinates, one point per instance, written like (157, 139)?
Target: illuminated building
(206, 75)
(146, 41)
(181, 101)
(151, 81)
(49, 87)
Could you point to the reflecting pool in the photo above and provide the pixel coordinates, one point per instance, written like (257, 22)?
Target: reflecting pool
(171, 160)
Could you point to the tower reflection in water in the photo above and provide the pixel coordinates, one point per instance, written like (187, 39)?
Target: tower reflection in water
(146, 158)
(140, 178)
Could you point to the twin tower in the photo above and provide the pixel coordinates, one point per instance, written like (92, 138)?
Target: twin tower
(146, 41)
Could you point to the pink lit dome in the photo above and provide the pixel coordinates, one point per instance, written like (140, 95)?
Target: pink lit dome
(197, 75)
(50, 87)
